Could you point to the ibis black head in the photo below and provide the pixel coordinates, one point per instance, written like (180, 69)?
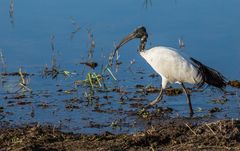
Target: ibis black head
(140, 32)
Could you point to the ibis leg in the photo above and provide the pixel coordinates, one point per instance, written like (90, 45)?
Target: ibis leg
(188, 99)
(158, 99)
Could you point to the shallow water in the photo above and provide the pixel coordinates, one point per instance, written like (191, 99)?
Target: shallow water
(209, 30)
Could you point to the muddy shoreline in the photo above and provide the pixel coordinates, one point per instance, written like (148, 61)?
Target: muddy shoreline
(173, 134)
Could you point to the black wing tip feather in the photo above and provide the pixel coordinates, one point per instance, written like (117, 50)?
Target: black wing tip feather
(210, 75)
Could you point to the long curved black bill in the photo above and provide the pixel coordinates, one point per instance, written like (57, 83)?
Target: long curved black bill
(124, 41)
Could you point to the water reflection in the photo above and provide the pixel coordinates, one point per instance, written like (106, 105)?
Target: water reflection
(147, 3)
(11, 12)
(76, 28)
(92, 43)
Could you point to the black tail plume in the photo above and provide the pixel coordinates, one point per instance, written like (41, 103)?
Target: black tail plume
(210, 76)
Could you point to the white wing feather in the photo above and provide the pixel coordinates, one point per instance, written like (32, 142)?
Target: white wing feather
(171, 65)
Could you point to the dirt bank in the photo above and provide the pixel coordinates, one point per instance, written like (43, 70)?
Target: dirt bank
(176, 134)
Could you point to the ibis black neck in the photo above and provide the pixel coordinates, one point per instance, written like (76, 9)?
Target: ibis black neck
(143, 42)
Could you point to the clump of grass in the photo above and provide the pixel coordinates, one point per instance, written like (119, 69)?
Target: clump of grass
(92, 80)
(53, 71)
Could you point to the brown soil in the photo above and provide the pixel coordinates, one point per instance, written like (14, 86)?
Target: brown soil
(175, 134)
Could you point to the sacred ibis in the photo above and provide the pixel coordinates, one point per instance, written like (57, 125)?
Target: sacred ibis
(174, 67)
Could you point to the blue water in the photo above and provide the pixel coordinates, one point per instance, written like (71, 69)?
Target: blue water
(210, 30)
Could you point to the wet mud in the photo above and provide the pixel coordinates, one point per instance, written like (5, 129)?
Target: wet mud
(173, 134)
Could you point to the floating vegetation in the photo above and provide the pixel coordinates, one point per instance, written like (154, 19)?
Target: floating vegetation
(17, 97)
(71, 107)
(221, 101)
(173, 92)
(136, 105)
(234, 83)
(24, 103)
(43, 105)
(158, 112)
(16, 74)
(70, 91)
(89, 95)
(152, 89)
(90, 64)
(215, 109)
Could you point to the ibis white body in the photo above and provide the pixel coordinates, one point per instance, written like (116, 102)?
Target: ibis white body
(171, 66)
